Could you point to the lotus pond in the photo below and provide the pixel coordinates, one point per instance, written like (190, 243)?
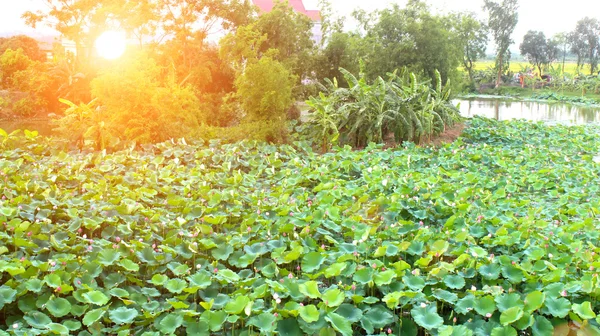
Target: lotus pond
(495, 234)
(550, 112)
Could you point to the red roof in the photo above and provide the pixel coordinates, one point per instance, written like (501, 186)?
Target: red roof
(267, 6)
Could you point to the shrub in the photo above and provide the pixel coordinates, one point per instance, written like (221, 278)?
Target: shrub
(368, 112)
(143, 107)
(265, 90)
(23, 107)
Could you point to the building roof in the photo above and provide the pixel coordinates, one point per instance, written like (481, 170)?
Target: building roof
(298, 5)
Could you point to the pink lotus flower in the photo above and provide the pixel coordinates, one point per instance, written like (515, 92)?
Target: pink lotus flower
(353, 287)
(58, 289)
(563, 293)
(216, 270)
(118, 239)
(290, 276)
(389, 331)
(488, 315)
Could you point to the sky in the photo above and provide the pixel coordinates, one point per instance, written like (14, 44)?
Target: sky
(549, 16)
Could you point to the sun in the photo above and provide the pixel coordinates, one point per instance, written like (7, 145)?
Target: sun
(111, 44)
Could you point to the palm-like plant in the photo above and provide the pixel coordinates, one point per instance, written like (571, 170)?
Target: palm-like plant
(364, 112)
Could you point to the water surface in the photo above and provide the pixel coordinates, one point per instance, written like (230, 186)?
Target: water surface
(535, 111)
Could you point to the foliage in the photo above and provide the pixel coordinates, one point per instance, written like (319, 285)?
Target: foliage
(585, 42)
(11, 62)
(142, 106)
(410, 37)
(343, 50)
(87, 122)
(29, 46)
(367, 112)
(502, 20)
(491, 234)
(472, 36)
(265, 90)
(538, 50)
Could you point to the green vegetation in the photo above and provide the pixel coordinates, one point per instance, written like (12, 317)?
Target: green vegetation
(489, 235)
(402, 106)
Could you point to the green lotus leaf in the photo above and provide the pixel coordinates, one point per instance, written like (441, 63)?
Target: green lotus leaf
(214, 319)
(490, 272)
(339, 323)
(222, 252)
(228, 275)
(378, 316)
(534, 301)
(333, 297)
(312, 261)
(34, 285)
(37, 319)
(385, 277)
(96, 297)
(72, 325)
(129, 265)
(511, 315)
(200, 279)
(264, 322)
(309, 313)
(363, 276)
(415, 283)
(176, 285)
(237, 305)
(170, 323)
(93, 316)
(427, 317)
(584, 310)
(506, 301)
(58, 307)
(454, 281)
(310, 289)
(289, 327)
(107, 257)
(350, 312)
(465, 305)
(159, 279)
(444, 295)
(59, 329)
(485, 305)
(559, 307)
(542, 327)
(504, 331)
(123, 315)
(335, 269)
(119, 292)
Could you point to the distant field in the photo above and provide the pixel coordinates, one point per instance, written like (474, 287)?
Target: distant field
(570, 67)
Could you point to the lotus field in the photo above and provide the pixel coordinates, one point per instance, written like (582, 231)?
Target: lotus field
(495, 234)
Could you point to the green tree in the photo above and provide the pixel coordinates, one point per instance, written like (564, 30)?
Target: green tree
(71, 18)
(561, 41)
(265, 90)
(586, 42)
(142, 105)
(472, 36)
(29, 46)
(502, 20)
(12, 62)
(343, 50)
(538, 50)
(411, 37)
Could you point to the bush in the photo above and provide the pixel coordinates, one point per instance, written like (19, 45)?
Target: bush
(143, 107)
(23, 107)
(265, 90)
(274, 132)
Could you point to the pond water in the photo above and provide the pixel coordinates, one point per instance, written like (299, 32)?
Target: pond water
(43, 127)
(534, 111)
(485, 107)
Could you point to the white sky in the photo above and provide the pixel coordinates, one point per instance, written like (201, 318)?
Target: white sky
(549, 16)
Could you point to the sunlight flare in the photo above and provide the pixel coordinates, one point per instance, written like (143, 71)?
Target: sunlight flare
(111, 44)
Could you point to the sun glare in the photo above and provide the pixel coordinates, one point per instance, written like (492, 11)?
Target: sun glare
(111, 44)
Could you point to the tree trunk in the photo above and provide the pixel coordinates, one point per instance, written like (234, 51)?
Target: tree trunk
(564, 56)
(500, 63)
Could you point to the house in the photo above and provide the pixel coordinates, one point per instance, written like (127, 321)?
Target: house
(266, 6)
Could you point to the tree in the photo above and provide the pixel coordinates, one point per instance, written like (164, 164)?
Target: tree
(502, 20)
(561, 40)
(29, 46)
(538, 50)
(12, 62)
(409, 37)
(586, 42)
(265, 90)
(341, 51)
(71, 18)
(472, 38)
(142, 105)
